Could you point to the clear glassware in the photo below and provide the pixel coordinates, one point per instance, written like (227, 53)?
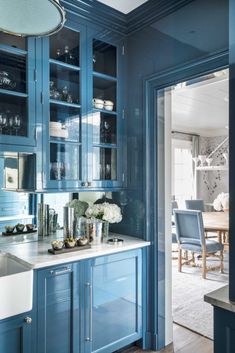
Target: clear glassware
(52, 89)
(17, 123)
(65, 93)
(66, 54)
(3, 121)
(58, 54)
(10, 122)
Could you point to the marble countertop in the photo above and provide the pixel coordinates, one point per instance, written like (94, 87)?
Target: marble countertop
(36, 255)
(220, 298)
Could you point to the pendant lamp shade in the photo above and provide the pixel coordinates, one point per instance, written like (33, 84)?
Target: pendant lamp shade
(31, 17)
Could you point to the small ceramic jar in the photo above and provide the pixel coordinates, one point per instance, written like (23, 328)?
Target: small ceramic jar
(98, 103)
(108, 105)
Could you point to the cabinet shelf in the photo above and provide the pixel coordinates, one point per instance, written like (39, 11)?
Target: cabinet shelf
(13, 93)
(110, 112)
(104, 76)
(64, 140)
(66, 104)
(212, 167)
(12, 50)
(105, 145)
(64, 65)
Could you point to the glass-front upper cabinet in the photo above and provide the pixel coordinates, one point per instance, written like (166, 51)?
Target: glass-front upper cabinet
(64, 129)
(104, 117)
(17, 91)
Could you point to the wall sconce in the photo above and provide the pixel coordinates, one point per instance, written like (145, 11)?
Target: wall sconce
(31, 17)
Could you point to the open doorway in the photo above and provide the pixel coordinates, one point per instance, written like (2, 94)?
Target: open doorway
(196, 138)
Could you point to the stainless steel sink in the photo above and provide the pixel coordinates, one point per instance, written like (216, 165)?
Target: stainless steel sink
(16, 286)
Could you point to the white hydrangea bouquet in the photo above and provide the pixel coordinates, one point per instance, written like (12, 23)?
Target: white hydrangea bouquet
(105, 211)
(221, 203)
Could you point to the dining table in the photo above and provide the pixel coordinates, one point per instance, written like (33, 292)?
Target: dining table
(217, 222)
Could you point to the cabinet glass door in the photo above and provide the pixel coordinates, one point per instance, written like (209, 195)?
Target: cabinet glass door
(104, 116)
(65, 107)
(17, 90)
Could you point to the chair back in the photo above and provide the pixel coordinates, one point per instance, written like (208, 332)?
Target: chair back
(189, 227)
(195, 205)
(174, 205)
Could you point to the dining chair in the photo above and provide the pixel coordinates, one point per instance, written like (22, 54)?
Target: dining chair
(195, 205)
(190, 236)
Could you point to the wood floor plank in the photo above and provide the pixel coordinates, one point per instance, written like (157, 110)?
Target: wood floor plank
(185, 341)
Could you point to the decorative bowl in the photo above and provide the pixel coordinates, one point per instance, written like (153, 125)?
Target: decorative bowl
(57, 244)
(20, 227)
(9, 229)
(29, 227)
(70, 242)
(82, 241)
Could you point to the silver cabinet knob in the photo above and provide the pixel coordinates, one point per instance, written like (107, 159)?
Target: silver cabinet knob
(28, 320)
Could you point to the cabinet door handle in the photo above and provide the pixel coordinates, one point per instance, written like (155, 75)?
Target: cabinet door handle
(61, 271)
(28, 320)
(89, 337)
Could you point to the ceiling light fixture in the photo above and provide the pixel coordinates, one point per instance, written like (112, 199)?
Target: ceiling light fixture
(31, 17)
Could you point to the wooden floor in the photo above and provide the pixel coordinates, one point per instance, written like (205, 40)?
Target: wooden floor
(185, 341)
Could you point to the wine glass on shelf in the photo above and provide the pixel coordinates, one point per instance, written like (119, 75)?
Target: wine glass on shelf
(3, 121)
(10, 123)
(16, 123)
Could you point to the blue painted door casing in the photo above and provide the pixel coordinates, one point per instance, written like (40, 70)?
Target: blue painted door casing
(112, 302)
(15, 335)
(58, 309)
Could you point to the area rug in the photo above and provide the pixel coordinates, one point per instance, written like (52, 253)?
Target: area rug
(188, 290)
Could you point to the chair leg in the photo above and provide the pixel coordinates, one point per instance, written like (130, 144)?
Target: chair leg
(179, 260)
(221, 261)
(193, 259)
(204, 264)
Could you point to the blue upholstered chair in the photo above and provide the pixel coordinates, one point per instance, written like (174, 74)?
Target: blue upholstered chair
(174, 205)
(195, 205)
(190, 236)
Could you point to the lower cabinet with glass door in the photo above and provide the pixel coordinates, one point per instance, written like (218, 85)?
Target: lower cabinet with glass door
(112, 301)
(16, 334)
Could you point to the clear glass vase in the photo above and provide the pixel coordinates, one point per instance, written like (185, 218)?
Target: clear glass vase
(105, 230)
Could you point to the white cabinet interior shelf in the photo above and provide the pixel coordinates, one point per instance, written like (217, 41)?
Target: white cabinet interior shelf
(213, 167)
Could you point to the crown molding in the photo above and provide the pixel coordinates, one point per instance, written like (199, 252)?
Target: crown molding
(152, 11)
(100, 14)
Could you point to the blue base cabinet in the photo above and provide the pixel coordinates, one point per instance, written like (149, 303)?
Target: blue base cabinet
(58, 310)
(112, 302)
(224, 330)
(15, 334)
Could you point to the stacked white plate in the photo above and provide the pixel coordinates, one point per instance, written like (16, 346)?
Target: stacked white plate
(57, 130)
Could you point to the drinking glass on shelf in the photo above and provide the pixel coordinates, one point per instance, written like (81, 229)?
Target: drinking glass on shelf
(3, 121)
(16, 123)
(10, 123)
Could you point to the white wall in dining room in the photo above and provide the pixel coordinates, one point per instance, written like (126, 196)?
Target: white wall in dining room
(211, 183)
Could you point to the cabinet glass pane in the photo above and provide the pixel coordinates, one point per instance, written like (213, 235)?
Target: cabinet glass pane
(104, 58)
(13, 115)
(64, 161)
(64, 84)
(65, 122)
(104, 128)
(13, 72)
(105, 90)
(64, 46)
(104, 163)
(13, 41)
(114, 293)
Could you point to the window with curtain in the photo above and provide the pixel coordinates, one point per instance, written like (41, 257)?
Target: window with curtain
(182, 171)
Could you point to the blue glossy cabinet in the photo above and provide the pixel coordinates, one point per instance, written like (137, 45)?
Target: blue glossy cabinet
(58, 309)
(15, 334)
(17, 93)
(112, 302)
(81, 110)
